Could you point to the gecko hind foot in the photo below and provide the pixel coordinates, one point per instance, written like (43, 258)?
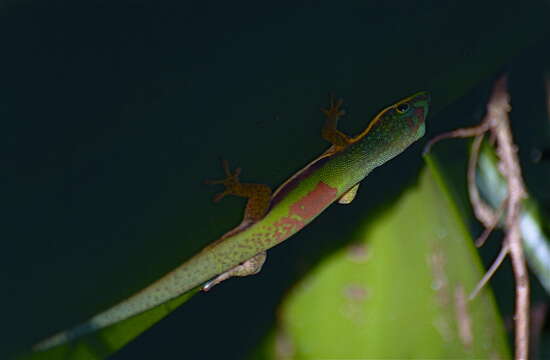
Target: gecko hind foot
(249, 267)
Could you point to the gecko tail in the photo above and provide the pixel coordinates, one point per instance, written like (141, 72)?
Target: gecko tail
(180, 280)
(66, 336)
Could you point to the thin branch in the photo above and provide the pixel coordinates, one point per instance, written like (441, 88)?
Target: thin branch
(498, 109)
(480, 241)
(494, 267)
(497, 122)
(458, 133)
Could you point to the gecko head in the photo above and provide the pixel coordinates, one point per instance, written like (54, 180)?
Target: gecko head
(413, 111)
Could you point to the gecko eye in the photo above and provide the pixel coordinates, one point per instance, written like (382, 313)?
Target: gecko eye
(402, 108)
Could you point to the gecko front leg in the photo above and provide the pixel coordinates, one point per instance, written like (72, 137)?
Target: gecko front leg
(259, 197)
(330, 130)
(338, 139)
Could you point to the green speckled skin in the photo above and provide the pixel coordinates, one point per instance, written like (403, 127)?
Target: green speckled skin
(296, 203)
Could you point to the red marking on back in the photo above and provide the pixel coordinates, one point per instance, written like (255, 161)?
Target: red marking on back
(287, 226)
(304, 210)
(314, 202)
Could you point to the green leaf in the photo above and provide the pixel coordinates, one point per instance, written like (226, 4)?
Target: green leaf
(400, 290)
(102, 343)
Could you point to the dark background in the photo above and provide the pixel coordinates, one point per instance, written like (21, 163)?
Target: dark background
(113, 113)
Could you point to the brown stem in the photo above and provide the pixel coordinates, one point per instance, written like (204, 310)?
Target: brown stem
(497, 116)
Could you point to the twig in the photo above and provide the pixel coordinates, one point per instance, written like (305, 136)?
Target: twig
(480, 241)
(498, 109)
(485, 279)
(458, 133)
(497, 122)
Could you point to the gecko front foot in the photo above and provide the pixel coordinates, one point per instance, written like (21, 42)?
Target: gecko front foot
(334, 112)
(249, 267)
(330, 132)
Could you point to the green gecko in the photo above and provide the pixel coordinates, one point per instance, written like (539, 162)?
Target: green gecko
(271, 218)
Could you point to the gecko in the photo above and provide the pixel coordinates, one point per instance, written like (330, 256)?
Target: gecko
(271, 217)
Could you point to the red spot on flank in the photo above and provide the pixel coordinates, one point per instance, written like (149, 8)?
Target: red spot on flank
(304, 210)
(314, 202)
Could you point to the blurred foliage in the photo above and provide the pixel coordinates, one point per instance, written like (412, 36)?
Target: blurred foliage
(115, 114)
(493, 187)
(101, 344)
(399, 290)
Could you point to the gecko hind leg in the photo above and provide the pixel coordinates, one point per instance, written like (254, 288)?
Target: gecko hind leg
(249, 267)
(259, 198)
(330, 132)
